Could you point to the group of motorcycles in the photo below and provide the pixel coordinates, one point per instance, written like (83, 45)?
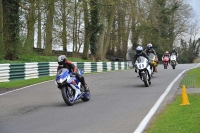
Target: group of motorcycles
(72, 89)
(173, 61)
(146, 70)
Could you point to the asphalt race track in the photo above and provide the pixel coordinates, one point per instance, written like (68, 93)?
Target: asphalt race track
(119, 102)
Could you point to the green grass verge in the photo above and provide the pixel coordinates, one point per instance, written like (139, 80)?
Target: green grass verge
(178, 119)
(197, 60)
(22, 83)
(191, 79)
(37, 58)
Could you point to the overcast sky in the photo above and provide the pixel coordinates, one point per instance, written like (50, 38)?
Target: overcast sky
(196, 4)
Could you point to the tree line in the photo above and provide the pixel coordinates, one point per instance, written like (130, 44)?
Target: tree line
(99, 26)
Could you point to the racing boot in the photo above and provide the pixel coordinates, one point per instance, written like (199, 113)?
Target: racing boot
(153, 71)
(86, 88)
(156, 70)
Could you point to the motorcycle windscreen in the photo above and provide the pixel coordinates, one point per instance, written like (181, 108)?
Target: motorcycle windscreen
(173, 57)
(152, 57)
(141, 59)
(62, 73)
(166, 58)
(141, 62)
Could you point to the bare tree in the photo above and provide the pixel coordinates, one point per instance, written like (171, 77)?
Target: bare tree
(64, 31)
(30, 26)
(75, 28)
(111, 17)
(39, 36)
(49, 28)
(1, 28)
(86, 28)
(100, 42)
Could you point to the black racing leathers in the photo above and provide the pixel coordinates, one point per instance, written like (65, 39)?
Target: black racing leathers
(174, 52)
(136, 56)
(151, 51)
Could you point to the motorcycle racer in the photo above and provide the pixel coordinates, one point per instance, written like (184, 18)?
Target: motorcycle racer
(150, 49)
(139, 52)
(166, 54)
(64, 63)
(174, 52)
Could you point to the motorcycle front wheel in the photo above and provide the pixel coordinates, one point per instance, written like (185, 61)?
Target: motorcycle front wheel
(173, 65)
(68, 95)
(145, 80)
(165, 65)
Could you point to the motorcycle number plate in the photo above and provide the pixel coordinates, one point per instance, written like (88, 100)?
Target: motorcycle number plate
(141, 66)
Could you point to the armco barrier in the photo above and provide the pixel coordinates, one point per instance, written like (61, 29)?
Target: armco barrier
(10, 72)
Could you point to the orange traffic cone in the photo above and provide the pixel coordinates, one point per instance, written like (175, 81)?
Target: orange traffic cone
(184, 99)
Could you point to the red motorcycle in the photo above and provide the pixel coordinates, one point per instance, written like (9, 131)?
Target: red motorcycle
(165, 61)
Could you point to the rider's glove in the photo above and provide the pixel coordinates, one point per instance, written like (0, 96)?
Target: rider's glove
(136, 70)
(149, 62)
(73, 73)
(156, 59)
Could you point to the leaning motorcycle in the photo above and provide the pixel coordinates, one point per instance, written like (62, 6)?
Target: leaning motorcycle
(173, 60)
(165, 61)
(144, 70)
(71, 87)
(153, 61)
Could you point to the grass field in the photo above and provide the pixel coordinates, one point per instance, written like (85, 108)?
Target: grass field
(22, 83)
(178, 118)
(192, 78)
(38, 58)
(197, 60)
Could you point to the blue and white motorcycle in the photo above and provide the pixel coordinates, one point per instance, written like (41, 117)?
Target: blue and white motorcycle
(70, 87)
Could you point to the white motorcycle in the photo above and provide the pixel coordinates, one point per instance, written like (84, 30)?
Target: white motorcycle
(173, 61)
(144, 70)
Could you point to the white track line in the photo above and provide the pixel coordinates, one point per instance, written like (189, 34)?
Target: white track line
(147, 118)
(24, 87)
(46, 82)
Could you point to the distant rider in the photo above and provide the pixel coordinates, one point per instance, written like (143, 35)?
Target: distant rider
(149, 50)
(166, 54)
(175, 53)
(64, 63)
(139, 52)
